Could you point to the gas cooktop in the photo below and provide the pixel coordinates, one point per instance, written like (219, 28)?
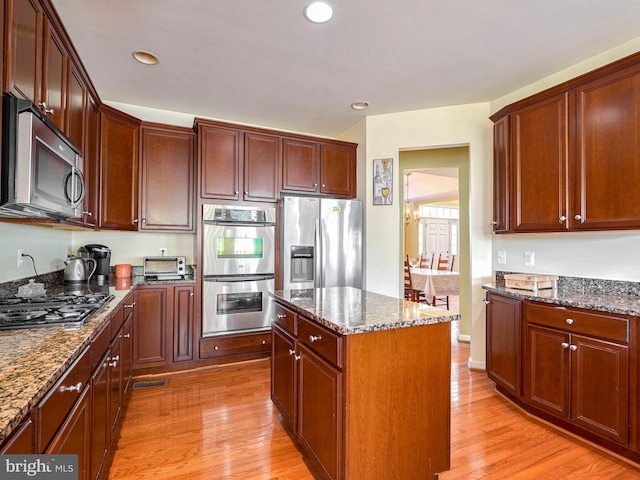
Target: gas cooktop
(50, 310)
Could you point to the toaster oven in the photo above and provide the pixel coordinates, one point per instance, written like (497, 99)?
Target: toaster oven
(165, 268)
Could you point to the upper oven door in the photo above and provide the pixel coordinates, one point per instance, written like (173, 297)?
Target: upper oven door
(237, 248)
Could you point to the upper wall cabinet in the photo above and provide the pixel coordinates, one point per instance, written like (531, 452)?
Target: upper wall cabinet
(568, 158)
(321, 167)
(167, 178)
(119, 136)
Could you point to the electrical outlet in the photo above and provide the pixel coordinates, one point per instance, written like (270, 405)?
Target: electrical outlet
(20, 258)
(530, 258)
(502, 257)
(163, 251)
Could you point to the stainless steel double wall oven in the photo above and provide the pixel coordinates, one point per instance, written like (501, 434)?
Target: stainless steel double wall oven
(238, 268)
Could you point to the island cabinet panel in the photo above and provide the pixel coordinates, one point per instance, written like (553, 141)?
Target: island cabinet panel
(501, 166)
(503, 342)
(608, 152)
(119, 137)
(578, 368)
(540, 166)
(284, 384)
(167, 195)
(21, 440)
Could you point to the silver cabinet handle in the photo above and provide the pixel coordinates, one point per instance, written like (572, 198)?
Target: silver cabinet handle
(486, 302)
(493, 223)
(564, 345)
(296, 357)
(573, 348)
(72, 388)
(130, 305)
(246, 193)
(313, 338)
(292, 352)
(237, 192)
(48, 111)
(191, 294)
(578, 217)
(562, 218)
(125, 336)
(144, 220)
(315, 184)
(216, 347)
(88, 214)
(264, 342)
(136, 221)
(569, 321)
(281, 315)
(114, 364)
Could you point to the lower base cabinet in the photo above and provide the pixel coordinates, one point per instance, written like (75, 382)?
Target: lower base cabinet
(337, 393)
(578, 368)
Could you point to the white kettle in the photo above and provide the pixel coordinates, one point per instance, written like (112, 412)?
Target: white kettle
(77, 271)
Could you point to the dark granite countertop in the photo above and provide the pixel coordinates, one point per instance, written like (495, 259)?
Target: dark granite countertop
(348, 310)
(611, 301)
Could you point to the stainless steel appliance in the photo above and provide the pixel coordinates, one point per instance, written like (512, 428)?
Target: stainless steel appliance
(238, 268)
(70, 311)
(41, 174)
(77, 270)
(102, 255)
(321, 242)
(164, 268)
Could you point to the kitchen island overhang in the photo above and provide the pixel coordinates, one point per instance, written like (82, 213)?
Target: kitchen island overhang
(364, 381)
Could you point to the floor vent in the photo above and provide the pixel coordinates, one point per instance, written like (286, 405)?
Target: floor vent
(150, 384)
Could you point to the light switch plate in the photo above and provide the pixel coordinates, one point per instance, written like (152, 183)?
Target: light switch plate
(530, 258)
(502, 257)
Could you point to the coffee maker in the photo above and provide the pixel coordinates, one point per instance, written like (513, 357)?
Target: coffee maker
(102, 255)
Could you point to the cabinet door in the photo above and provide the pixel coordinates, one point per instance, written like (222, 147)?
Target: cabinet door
(119, 170)
(501, 169)
(183, 323)
(608, 152)
(261, 167)
(503, 342)
(150, 327)
(284, 372)
(100, 427)
(126, 352)
(91, 166)
(167, 193)
(74, 436)
(600, 387)
(219, 154)
(21, 440)
(338, 170)
(300, 164)
(547, 370)
(320, 406)
(54, 85)
(540, 193)
(24, 51)
(115, 385)
(76, 109)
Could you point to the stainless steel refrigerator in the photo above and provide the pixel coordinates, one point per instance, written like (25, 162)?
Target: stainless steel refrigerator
(321, 242)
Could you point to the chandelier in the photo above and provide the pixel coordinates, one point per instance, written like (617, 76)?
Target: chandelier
(411, 214)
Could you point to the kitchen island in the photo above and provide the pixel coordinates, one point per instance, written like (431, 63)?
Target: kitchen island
(363, 381)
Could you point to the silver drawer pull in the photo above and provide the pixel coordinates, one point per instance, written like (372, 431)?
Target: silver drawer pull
(569, 321)
(281, 315)
(72, 388)
(486, 302)
(296, 357)
(564, 345)
(125, 336)
(573, 348)
(130, 306)
(114, 364)
(313, 338)
(292, 352)
(264, 342)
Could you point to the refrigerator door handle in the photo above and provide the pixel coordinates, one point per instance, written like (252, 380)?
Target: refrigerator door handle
(319, 271)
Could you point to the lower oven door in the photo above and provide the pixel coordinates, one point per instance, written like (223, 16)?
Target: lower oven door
(236, 304)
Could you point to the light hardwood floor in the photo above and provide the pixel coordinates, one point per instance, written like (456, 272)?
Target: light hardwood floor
(219, 423)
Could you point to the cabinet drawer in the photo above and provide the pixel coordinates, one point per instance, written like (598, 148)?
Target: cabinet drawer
(607, 326)
(285, 318)
(100, 344)
(235, 345)
(57, 403)
(322, 341)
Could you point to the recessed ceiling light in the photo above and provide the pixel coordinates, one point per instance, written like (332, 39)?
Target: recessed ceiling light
(318, 12)
(359, 105)
(145, 57)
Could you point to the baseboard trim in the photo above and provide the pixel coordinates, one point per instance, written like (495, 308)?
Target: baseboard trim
(476, 366)
(464, 338)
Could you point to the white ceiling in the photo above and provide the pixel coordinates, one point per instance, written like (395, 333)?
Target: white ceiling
(432, 185)
(261, 62)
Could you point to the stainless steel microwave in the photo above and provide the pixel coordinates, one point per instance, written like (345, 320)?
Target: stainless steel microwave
(41, 173)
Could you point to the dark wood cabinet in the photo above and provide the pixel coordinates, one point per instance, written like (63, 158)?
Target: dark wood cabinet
(320, 411)
(540, 166)
(54, 86)
(607, 167)
(21, 440)
(76, 120)
(183, 308)
(167, 178)
(91, 167)
(119, 134)
(150, 327)
(577, 368)
(318, 167)
(100, 417)
(503, 342)
(261, 167)
(284, 384)
(501, 177)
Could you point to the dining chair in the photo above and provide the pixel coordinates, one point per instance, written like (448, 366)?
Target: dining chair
(453, 259)
(443, 263)
(424, 263)
(408, 284)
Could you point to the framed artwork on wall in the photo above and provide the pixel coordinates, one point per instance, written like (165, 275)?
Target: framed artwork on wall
(383, 181)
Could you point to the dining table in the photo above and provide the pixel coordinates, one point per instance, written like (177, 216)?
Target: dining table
(435, 283)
